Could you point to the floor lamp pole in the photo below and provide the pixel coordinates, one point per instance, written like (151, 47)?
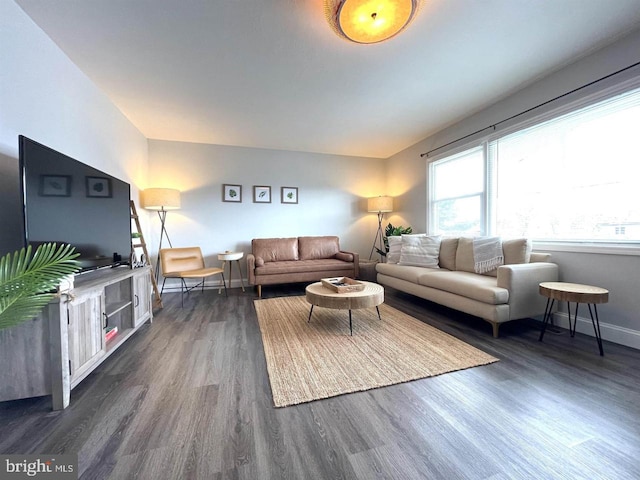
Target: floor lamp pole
(162, 214)
(378, 237)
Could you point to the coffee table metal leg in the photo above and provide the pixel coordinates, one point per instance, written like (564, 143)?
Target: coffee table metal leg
(378, 310)
(350, 325)
(596, 327)
(310, 312)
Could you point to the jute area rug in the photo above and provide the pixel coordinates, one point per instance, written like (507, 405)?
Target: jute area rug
(310, 361)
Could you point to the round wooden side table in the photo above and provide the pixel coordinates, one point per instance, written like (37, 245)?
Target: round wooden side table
(577, 293)
(231, 257)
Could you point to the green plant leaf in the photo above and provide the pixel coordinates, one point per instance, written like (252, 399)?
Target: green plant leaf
(23, 309)
(27, 277)
(391, 231)
(388, 231)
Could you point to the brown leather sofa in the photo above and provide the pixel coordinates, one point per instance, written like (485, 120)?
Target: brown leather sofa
(298, 259)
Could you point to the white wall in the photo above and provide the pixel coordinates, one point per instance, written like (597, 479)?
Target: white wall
(331, 193)
(44, 96)
(407, 178)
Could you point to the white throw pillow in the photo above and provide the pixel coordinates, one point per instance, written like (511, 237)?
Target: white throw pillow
(420, 251)
(395, 245)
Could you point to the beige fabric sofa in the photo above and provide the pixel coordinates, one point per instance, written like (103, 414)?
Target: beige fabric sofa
(508, 293)
(298, 259)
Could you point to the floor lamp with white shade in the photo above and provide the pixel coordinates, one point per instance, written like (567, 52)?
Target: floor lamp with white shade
(161, 200)
(379, 205)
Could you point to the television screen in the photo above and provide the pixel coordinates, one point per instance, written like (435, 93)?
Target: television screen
(66, 201)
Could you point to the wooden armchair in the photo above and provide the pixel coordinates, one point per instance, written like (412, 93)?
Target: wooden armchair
(185, 263)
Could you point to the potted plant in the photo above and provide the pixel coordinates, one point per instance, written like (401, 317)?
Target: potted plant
(28, 278)
(391, 231)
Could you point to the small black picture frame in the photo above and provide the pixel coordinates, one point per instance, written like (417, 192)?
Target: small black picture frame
(231, 193)
(261, 194)
(55, 186)
(98, 187)
(289, 195)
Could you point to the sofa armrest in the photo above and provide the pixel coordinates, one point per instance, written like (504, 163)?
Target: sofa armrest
(522, 280)
(540, 257)
(251, 267)
(356, 262)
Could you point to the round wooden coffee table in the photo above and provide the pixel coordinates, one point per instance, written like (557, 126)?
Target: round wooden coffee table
(320, 296)
(574, 292)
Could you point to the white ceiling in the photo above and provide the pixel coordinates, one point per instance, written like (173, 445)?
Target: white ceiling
(272, 74)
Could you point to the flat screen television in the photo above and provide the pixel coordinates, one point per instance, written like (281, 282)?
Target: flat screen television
(67, 201)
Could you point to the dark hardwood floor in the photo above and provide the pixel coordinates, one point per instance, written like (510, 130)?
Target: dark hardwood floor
(188, 398)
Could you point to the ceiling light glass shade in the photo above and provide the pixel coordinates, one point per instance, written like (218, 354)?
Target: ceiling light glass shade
(161, 199)
(380, 204)
(370, 21)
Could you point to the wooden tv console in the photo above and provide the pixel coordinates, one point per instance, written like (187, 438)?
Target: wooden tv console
(55, 351)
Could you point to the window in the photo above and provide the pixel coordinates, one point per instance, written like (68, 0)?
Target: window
(573, 178)
(457, 194)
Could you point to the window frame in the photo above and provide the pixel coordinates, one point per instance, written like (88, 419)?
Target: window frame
(623, 247)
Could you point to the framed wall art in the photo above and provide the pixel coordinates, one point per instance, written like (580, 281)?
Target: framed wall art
(99, 187)
(261, 194)
(55, 186)
(289, 195)
(231, 193)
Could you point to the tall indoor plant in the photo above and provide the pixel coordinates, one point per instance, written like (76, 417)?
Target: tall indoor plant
(391, 231)
(28, 277)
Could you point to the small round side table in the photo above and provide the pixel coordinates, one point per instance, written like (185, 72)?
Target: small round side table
(574, 292)
(230, 257)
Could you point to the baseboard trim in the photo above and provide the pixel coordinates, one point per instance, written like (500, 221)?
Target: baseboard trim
(612, 333)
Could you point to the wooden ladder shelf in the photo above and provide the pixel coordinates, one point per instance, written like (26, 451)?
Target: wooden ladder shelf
(143, 245)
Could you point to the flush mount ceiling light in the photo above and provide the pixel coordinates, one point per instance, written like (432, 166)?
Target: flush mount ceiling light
(370, 21)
